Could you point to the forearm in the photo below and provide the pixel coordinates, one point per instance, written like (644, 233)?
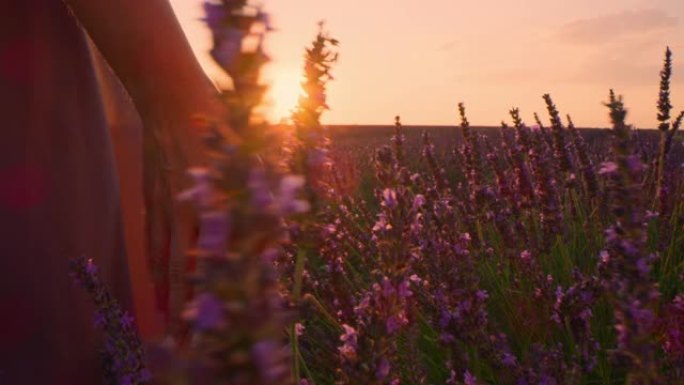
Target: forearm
(143, 43)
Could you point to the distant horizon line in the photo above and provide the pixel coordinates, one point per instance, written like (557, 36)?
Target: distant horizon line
(447, 126)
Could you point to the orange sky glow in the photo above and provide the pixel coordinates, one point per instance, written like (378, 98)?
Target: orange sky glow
(419, 59)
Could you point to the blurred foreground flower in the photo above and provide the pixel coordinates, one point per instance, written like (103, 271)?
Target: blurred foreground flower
(238, 317)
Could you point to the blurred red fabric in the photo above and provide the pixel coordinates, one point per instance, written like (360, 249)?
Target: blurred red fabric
(70, 177)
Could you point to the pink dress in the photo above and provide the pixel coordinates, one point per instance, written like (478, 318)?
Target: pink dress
(60, 194)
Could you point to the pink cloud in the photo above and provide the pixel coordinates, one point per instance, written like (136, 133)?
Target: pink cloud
(610, 27)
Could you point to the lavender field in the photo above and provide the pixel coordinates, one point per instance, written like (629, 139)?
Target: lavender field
(531, 253)
(507, 258)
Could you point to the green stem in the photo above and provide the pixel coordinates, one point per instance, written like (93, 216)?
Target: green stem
(296, 294)
(295, 354)
(299, 273)
(306, 369)
(661, 169)
(314, 301)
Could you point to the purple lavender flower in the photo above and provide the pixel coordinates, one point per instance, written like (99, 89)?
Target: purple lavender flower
(673, 341)
(287, 199)
(389, 198)
(608, 168)
(626, 270)
(350, 343)
(214, 232)
(202, 192)
(214, 15)
(206, 312)
(270, 357)
(123, 351)
(383, 369)
(469, 379)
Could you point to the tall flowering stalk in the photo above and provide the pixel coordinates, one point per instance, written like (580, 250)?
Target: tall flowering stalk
(310, 148)
(478, 191)
(523, 176)
(625, 262)
(238, 317)
(308, 155)
(471, 154)
(542, 129)
(547, 191)
(561, 151)
(663, 169)
(664, 105)
(169, 226)
(676, 125)
(368, 352)
(238, 30)
(573, 310)
(124, 358)
(435, 169)
(664, 108)
(505, 208)
(585, 163)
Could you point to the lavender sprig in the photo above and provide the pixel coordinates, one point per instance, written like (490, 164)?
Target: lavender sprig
(239, 316)
(309, 152)
(561, 152)
(625, 263)
(124, 357)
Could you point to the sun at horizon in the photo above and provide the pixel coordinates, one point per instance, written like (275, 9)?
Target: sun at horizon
(283, 95)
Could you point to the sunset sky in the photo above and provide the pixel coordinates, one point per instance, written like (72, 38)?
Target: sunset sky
(420, 58)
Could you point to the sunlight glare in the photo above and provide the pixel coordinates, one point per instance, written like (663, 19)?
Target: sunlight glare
(283, 96)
